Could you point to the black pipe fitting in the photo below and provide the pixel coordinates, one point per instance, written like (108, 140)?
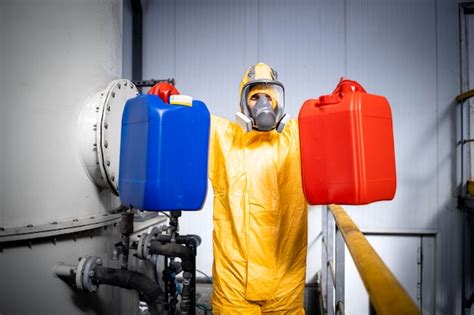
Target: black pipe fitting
(188, 264)
(126, 225)
(126, 229)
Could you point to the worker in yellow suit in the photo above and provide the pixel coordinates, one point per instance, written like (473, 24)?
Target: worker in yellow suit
(260, 214)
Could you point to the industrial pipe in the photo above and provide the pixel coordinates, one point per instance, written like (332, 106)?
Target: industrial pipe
(188, 240)
(149, 290)
(90, 273)
(186, 254)
(188, 264)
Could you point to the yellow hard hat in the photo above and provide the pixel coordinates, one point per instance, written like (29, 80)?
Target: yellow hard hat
(261, 79)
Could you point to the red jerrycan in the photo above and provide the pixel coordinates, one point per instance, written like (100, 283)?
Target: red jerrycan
(347, 149)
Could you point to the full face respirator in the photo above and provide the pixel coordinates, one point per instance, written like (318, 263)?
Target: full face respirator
(262, 100)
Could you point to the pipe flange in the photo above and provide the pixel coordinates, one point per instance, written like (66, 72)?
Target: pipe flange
(143, 248)
(156, 230)
(85, 272)
(146, 247)
(143, 236)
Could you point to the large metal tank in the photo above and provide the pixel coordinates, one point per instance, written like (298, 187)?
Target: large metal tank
(55, 56)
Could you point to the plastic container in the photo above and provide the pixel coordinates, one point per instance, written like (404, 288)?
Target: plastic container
(347, 149)
(164, 155)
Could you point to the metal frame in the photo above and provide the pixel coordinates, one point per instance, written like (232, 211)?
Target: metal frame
(333, 264)
(465, 199)
(386, 295)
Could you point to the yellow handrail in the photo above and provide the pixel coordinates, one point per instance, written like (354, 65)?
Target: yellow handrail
(464, 96)
(385, 292)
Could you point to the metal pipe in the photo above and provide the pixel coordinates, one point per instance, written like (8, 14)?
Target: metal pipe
(188, 263)
(62, 270)
(333, 273)
(322, 301)
(89, 274)
(149, 83)
(340, 273)
(201, 280)
(188, 240)
(330, 256)
(324, 256)
(126, 229)
(137, 39)
(385, 292)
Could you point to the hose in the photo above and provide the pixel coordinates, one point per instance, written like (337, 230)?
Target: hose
(149, 290)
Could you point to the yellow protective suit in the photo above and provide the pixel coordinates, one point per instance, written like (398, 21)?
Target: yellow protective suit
(260, 220)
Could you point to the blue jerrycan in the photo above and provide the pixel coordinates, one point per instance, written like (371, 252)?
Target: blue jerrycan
(164, 154)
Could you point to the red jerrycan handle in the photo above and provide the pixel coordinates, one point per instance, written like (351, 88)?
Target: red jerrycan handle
(164, 90)
(343, 87)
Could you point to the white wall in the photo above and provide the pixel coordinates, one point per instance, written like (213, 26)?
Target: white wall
(405, 50)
